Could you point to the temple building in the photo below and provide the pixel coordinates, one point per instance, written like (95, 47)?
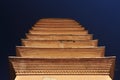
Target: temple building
(60, 49)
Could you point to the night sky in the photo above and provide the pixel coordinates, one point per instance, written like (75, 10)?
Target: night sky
(100, 17)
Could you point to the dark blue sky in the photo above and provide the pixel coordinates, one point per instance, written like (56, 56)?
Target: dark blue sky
(100, 17)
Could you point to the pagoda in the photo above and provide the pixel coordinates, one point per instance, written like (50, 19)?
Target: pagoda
(60, 49)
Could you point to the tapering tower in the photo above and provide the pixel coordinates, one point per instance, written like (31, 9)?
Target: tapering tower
(60, 49)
